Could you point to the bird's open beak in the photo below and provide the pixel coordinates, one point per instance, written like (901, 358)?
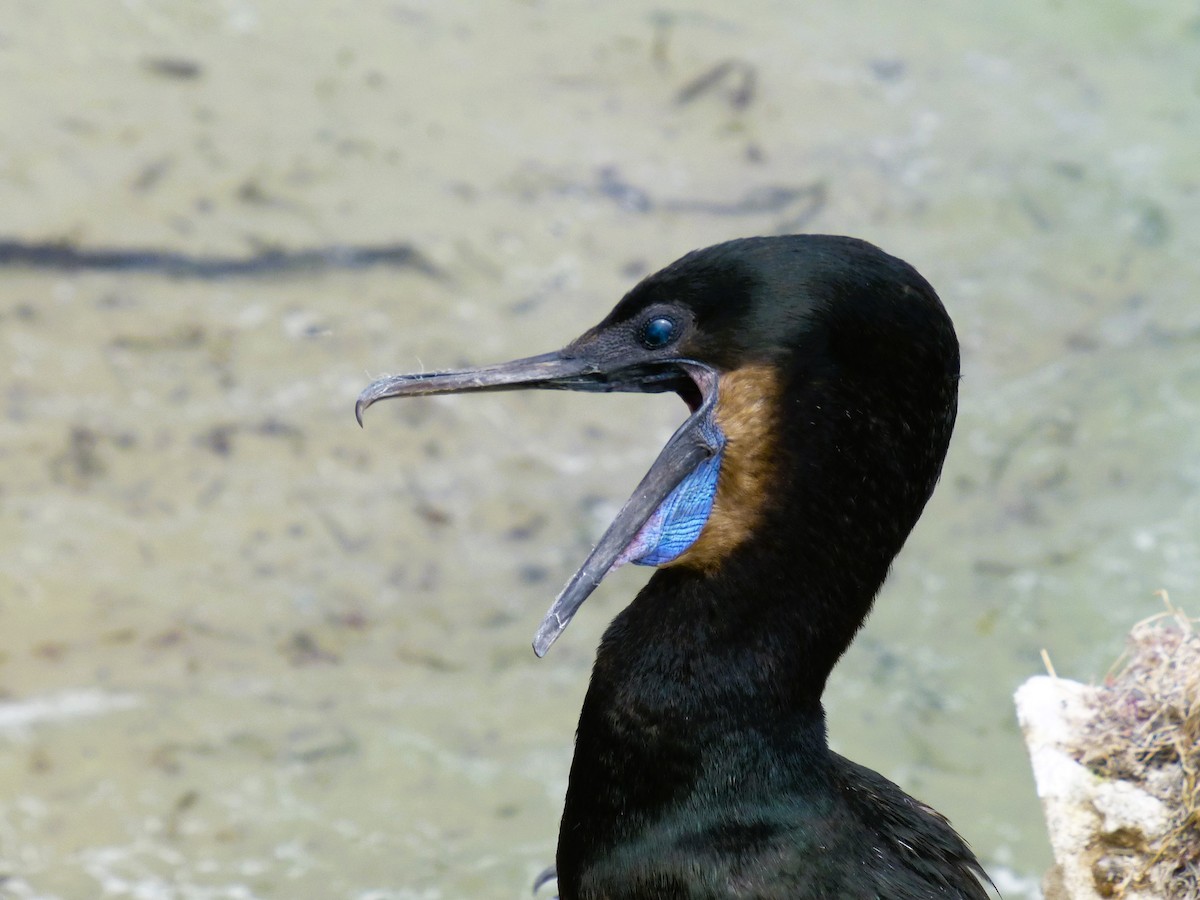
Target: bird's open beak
(696, 441)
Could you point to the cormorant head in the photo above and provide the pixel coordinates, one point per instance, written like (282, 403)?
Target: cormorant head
(794, 354)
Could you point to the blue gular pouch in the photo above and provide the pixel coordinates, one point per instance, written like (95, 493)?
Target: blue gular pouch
(680, 518)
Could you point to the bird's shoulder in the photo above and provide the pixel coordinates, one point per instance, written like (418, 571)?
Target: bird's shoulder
(916, 851)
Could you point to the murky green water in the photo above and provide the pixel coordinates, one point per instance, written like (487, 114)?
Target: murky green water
(248, 650)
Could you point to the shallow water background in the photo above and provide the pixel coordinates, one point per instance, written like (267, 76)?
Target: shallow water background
(250, 651)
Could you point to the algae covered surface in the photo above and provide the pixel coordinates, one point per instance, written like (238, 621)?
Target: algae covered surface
(1145, 730)
(248, 650)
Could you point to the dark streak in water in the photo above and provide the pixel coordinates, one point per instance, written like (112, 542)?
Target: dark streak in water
(742, 75)
(66, 257)
(801, 203)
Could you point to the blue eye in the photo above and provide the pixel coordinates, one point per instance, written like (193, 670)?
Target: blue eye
(658, 332)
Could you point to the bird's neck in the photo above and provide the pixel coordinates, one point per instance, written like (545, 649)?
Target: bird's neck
(704, 705)
(705, 699)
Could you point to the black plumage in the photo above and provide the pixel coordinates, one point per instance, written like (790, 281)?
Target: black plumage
(829, 371)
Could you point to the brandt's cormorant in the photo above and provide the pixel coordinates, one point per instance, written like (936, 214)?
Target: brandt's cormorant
(822, 379)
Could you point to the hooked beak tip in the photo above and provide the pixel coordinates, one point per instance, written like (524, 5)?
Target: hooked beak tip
(552, 626)
(541, 643)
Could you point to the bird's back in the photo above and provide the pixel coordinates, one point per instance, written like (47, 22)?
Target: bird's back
(859, 837)
(909, 849)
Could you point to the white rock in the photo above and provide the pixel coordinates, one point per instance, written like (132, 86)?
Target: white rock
(1080, 807)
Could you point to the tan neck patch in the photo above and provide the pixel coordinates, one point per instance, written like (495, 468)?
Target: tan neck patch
(747, 404)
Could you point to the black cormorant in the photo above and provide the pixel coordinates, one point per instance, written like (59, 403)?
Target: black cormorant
(822, 378)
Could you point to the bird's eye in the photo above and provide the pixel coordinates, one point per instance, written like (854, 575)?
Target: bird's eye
(658, 332)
